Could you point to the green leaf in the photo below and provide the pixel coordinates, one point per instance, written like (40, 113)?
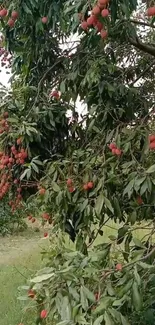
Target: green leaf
(129, 188)
(137, 276)
(133, 217)
(42, 277)
(91, 124)
(108, 320)
(121, 234)
(151, 169)
(108, 205)
(22, 298)
(105, 302)
(90, 296)
(55, 187)
(136, 297)
(64, 322)
(98, 320)
(145, 266)
(38, 162)
(74, 293)
(99, 204)
(35, 167)
(62, 87)
(115, 314)
(24, 173)
(83, 205)
(65, 309)
(144, 187)
(138, 243)
(117, 209)
(125, 289)
(124, 320)
(84, 301)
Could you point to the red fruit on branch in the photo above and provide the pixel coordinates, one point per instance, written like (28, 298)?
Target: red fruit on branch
(118, 152)
(14, 15)
(11, 22)
(91, 20)
(112, 146)
(69, 182)
(42, 191)
(96, 10)
(100, 5)
(99, 26)
(11, 160)
(105, 13)
(45, 234)
(90, 185)
(44, 20)
(31, 293)
(152, 145)
(103, 2)
(85, 187)
(3, 12)
(113, 151)
(5, 114)
(15, 181)
(97, 296)
(55, 94)
(43, 314)
(152, 138)
(119, 267)
(150, 12)
(13, 148)
(71, 189)
(46, 216)
(104, 34)
(3, 122)
(139, 200)
(84, 25)
(19, 141)
(24, 154)
(21, 161)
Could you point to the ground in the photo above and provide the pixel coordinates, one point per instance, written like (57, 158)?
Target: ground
(19, 259)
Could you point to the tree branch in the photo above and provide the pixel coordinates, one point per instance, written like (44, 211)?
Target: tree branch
(141, 23)
(143, 73)
(141, 46)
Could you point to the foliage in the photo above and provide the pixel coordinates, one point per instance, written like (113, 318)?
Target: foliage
(75, 288)
(89, 170)
(10, 222)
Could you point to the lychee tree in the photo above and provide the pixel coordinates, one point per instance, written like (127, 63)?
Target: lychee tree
(106, 172)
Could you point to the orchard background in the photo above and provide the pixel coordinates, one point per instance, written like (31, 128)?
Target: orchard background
(78, 174)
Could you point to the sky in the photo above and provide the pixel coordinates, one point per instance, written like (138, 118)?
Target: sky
(4, 78)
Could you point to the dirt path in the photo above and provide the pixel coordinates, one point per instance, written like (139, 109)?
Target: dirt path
(12, 248)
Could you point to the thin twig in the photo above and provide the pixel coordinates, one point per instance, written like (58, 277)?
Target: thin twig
(98, 231)
(137, 22)
(143, 73)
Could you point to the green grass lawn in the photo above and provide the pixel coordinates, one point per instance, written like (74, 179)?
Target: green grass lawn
(15, 272)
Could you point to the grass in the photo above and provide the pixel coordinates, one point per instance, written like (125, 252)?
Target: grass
(15, 272)
(19, 260)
